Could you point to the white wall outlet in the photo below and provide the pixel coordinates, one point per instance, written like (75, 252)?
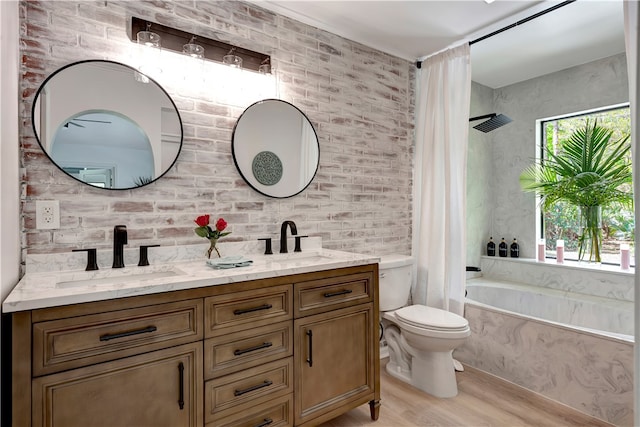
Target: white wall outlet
(47, 214)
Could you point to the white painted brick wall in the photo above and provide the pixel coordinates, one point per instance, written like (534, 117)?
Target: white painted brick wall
(360, 101)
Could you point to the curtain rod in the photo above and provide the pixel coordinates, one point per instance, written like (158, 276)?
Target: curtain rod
(520, 22)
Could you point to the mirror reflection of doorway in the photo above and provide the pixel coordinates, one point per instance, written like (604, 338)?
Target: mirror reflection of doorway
(98, 177)
(110, 150)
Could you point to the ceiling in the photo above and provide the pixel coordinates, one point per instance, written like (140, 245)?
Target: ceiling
(574, 34)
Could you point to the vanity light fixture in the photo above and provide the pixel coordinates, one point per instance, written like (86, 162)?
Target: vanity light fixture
(193, 49)
(148, 38)
(213, 49)
(231, 59)
(265, 67)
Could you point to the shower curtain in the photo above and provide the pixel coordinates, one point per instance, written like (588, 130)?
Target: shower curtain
(632, 43)
(442, 128)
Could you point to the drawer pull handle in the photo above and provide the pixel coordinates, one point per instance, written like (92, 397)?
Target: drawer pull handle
(310, 359)
(181, 392)
(335, 294)
(266, 422)
(266, 383)
(146, 330)
(249, 310)
(250, 349)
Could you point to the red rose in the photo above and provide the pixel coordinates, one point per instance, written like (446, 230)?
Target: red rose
(203, 221)
(221, 224)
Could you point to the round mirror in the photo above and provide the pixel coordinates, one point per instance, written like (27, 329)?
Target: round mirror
(107, 125)
(275, 148)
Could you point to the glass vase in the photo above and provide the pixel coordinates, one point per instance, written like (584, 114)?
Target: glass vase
(590, 239)
(212, 247)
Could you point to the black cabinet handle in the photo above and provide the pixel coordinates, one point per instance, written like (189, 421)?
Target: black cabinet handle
(335, 294)
(249, 310)
(146, 330)
(250, 349)
(264, 384)
(266, 422)
(310, 359)
(181, 392)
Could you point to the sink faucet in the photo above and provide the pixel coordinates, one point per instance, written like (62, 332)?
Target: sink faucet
(283, 235)
(119, 240)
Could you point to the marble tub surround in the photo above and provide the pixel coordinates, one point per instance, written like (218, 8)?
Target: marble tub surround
(593, 374)
(565, 332)
(602, 281)
(171, 269)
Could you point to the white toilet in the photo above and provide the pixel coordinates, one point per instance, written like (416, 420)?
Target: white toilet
(420, 339)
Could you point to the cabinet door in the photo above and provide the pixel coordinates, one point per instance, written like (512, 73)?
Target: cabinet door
(334, 362)
(161, 388)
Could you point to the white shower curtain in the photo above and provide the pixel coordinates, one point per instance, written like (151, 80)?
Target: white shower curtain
(442, 128)
(632, 43)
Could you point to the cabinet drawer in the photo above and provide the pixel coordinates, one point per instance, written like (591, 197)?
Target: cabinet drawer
(243, 390)
(247, 309)
(245, 349)
(80, 341)
(322, 295)
(277, 412)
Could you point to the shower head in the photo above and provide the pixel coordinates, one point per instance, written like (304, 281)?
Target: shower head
(495, 121)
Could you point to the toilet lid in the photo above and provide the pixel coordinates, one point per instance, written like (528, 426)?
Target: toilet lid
(431, 317)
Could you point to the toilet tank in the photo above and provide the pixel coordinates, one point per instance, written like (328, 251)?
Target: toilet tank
(394, 281)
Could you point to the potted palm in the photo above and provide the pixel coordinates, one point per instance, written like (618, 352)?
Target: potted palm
(590, 172)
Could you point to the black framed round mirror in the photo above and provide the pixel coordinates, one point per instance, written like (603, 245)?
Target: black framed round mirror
(107, 125)
(275, 148)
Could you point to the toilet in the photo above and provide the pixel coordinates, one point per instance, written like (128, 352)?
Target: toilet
(420, 339)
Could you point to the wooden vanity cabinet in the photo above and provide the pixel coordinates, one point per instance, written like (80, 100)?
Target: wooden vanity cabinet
(129, 362)
(337, 362)
(291, 350)
(160, 388)
(248, 356)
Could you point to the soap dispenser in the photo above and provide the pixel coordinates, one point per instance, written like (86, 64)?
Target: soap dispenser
(515, 249)
(502, 248)
(491, 247)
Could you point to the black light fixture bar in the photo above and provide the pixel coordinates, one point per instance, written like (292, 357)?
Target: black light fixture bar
(173, 39)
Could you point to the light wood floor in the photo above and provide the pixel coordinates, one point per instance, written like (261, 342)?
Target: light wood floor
(483, 400)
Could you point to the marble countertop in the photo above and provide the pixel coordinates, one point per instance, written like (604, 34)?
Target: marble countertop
(44, 289)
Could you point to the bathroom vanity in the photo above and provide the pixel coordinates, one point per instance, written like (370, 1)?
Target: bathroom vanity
(287, 341)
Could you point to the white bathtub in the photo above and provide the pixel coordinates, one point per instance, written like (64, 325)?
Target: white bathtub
(575, 349)
(595, 314)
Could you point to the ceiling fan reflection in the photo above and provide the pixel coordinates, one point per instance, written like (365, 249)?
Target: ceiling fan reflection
(72, 122)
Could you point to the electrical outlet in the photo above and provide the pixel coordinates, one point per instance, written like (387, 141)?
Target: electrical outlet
(47, 214)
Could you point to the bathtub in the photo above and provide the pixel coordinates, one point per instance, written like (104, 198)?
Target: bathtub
(575, 349)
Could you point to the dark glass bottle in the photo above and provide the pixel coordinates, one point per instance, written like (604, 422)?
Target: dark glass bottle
(491, 247)
(515, 249)
(502, 248)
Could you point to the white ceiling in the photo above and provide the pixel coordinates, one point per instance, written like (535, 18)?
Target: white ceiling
(574, 34)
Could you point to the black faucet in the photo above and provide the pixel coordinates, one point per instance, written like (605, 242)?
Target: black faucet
(283, 235)
(119, 240)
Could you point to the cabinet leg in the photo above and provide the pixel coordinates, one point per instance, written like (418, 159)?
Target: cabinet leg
(374, 405)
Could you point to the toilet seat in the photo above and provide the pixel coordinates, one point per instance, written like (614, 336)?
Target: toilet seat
(431, 318)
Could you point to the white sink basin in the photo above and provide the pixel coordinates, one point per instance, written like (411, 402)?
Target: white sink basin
(309, 256)
(111, 277)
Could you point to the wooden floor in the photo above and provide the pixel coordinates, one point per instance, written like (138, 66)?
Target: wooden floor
(483, 400)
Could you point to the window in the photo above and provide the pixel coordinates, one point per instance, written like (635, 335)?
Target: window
(561, 220)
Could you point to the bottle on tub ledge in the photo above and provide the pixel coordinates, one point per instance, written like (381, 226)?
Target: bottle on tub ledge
(502, 248)
(491, 247)
(515, 249)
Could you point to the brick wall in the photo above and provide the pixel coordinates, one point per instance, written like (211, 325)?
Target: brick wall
(359, 100)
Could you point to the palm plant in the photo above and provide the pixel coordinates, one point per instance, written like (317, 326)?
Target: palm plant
(589, 171)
